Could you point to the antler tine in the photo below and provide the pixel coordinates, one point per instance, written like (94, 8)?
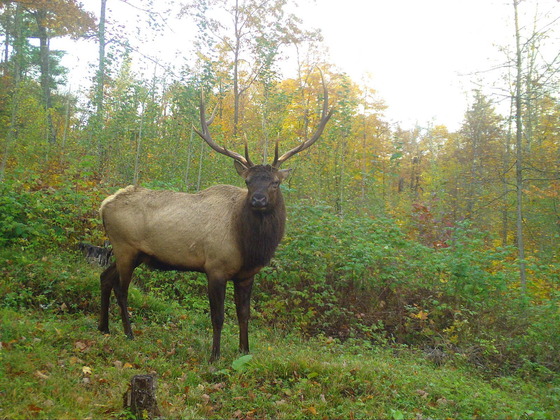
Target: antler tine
(207, 137)
(325, 116)
(275, 163)
(247, 151)
(211, 120)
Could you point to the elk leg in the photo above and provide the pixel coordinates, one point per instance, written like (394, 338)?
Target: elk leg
(121, 292)
(107, 279)
(216, 295)
(242, 294)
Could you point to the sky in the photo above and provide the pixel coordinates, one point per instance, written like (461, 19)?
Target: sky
(423, 57)
(420, 54)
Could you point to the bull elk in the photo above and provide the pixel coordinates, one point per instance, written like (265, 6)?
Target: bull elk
(227, 232)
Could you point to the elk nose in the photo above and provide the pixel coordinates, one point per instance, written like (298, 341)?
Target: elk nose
(259, 200)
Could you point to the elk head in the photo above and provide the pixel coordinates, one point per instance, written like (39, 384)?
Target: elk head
(263, 181)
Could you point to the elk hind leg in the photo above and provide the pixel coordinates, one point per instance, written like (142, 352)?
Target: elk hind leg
(108, 279)
(121, 293)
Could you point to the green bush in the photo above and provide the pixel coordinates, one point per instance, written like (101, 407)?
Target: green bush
(59, 283)
(32, 214)
(360, 277)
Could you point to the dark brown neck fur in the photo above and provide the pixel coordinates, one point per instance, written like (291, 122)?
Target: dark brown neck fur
(260, 233)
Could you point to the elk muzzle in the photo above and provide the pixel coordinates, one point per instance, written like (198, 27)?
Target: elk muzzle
(259, 201)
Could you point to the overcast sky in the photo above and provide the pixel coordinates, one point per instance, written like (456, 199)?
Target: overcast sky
(421, 56)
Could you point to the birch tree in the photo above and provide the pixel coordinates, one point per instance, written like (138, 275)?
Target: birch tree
(250, 32)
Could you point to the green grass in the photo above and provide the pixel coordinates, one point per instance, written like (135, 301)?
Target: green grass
(55, 364)
(59, 366)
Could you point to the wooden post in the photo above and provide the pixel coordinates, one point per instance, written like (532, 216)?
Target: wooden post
(140, 398)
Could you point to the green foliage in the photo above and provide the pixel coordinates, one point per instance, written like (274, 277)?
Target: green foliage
(361, 278)
(331, 273)
(49, 341)
(239, 365)
(186, 289)
(34, 279)
(33, 213)
(352, 279)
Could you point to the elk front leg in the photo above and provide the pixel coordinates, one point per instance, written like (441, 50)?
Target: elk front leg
(242, 294)
(216, 296)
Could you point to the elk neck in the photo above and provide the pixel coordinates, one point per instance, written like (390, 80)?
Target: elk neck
(260, 233)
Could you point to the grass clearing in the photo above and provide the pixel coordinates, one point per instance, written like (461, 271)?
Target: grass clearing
(59, 366)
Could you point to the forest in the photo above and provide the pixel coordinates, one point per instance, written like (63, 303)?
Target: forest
(419, 275)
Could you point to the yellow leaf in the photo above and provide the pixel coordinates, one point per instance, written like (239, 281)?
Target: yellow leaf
(422, 315)
(86, 370)
(41, 375)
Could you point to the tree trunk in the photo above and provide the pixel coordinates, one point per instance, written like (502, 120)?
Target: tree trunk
(99, 117)
(189, 158)
(236, 92)
(199, 179)
(17, 69)
(506, 167)
(139, 147)
(7, 39)
(66, 127)
(519, 156)
(44, 53)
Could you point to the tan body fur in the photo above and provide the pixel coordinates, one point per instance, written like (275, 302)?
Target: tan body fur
(201, 234)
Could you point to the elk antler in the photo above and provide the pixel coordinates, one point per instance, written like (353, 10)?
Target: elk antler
(325, 116)
(205, 135)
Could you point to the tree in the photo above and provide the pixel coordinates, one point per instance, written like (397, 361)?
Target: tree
(54, 18)
(519, 152)
(16, 74)
(100, 85)
(481, 153)
(535, 77)
(373, 131)
(251, 36)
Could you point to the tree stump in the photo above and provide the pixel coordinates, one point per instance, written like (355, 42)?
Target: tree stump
(140, 398)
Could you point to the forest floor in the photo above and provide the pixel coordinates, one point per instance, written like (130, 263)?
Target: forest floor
(55, 364)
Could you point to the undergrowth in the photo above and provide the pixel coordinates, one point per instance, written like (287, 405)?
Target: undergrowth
(361, 277)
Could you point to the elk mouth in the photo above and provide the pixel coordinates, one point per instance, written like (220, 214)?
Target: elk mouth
(260, 208)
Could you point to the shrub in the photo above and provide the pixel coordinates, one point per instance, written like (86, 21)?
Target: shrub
(33, 213)
(60, 283)
(360, 277)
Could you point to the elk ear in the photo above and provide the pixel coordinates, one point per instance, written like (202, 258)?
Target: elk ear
(284, 173)
(240, 168)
